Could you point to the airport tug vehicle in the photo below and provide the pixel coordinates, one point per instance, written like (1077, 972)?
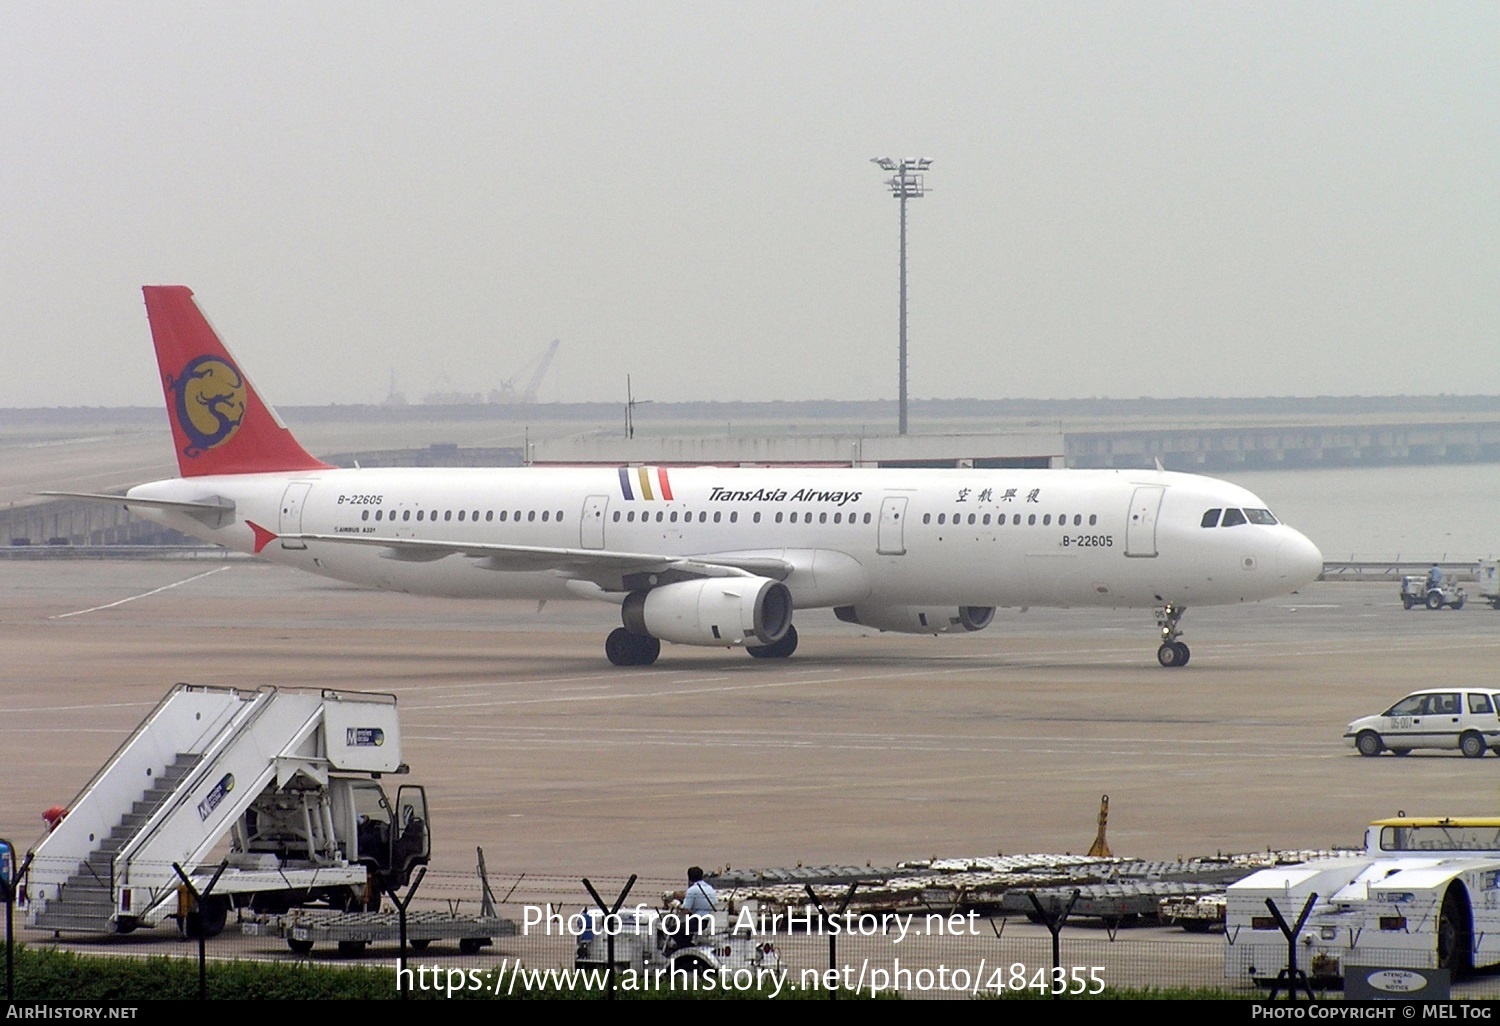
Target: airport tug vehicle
(264, 800)
(659, 941)
(1424, 894)
(1418, 590)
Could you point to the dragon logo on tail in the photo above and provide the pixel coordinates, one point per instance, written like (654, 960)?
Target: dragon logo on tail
(210, 402)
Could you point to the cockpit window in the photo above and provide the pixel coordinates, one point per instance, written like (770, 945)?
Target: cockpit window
(1233, 518)
(1211, 518)
(1260, 516)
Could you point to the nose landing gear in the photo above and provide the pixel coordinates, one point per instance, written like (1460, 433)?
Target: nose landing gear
(1172, 652)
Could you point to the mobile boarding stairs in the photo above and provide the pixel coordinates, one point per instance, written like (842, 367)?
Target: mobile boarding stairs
(286, 774)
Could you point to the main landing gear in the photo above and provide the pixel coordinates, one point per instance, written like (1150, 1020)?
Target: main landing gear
(626, 648)
(776, 649)
(1172, 652)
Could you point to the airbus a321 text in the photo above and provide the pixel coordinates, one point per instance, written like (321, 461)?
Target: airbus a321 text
(708, 556)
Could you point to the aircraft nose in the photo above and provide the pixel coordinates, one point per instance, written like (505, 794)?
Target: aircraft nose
(1298, 559)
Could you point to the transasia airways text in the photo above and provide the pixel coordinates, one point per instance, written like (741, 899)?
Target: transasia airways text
(717, 494)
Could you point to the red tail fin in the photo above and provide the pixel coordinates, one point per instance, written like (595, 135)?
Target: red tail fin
(219, 423)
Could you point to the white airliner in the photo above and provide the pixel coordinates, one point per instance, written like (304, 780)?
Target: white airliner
(708, 556)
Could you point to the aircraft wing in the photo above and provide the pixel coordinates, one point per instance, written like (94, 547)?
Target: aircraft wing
(611, 571)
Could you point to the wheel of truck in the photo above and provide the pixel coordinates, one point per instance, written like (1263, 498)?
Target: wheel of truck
(1434, 600)
(1368, 742)
(351, 949)
(1458, 603)
(1406, 601)
(471, 945)
(1495, 603)
(1454, 933)
(207, 920)
(1472, 745)
(300, 947)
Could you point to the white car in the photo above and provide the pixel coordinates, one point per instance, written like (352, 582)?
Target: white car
(1463, 718)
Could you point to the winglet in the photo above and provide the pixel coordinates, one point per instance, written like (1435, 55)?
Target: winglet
(262, 536)
(220, 425)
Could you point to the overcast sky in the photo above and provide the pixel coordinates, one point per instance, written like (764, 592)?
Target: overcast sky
(1126, 199)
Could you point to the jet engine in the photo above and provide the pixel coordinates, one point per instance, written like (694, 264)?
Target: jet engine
(918, 619)
(712, 611)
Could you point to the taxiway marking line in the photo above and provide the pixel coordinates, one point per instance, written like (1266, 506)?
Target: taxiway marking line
(144, 594)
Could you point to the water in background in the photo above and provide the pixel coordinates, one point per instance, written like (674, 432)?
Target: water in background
(1446, 512)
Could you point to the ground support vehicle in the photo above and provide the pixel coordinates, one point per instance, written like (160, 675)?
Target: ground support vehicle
(645, 941)
(1417, 590)
(288, 777)
(1424, 894)
(1489, 582)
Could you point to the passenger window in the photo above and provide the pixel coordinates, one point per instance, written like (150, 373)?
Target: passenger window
(1047, 520)
(971, 518)
(1077, 520)
(1232, 518)
(822, 518)
(379, 513)
(630, 517)
(778, 518)
(659, 516)
(460, 516)
(717, 515)
(405, 514)
(447, 514)
(544, 515)
(1480, 703)
(557, 516)
(530, 516)
(419, 515)
(794, 517)
(1211, 518)
(617, 516)
(986, 519)
(1093, 519)
(867, 518)
(703, 517)
(838, 518)
(942, 518)
(365, 515)
(674, 516)
(1030, 519)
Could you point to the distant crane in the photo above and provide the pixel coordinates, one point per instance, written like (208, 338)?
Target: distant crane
(508, 392)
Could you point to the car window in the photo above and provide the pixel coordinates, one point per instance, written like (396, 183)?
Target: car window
(1480, 703)
(1445, 704)
(1411, 705)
